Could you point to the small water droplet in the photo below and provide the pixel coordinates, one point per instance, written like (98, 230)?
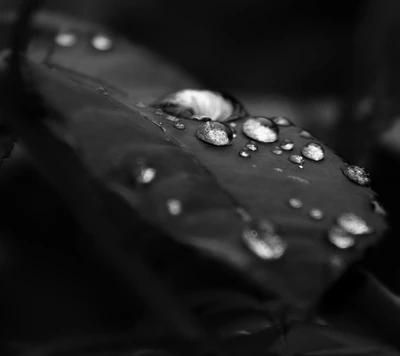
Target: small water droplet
(174, 206)
(179, 126)
(232, 124)
(295, 203)
(66, 39)
(215, 133)
(378, 208)
(282, 121)
(313, 151)
(252, 146)
(171, 118)
(102, 42)
(296, 159)
(159, 112)
(353, 224)
(140, 104)
(340, 238)
(316, 214)
(234, 135)
(245, 153)
(145, 174)
(260, 238)
(102, 90)
(357, 175)
(298, 179)
(301, 166)
(306, 134)
(261, 129)
(287, 145)
(278, 169)
(277, 151)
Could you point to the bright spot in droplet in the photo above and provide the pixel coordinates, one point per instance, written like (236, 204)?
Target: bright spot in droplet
(174, 206)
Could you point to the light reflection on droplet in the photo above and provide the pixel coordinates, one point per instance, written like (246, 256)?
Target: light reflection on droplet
(174, 206)
(340, 238)
(316, 214)
(66, 39)
(215, 133)
(353, 224)
(261, 129)
(295, 203)
(102, 42)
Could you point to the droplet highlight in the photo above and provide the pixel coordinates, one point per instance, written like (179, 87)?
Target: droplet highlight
(282, 121)
(296, 159)
(313, 151)
(66, 39)
(353, 224)
(277, 151)
(244, 153)
(140, 104)
(179, 126)
(145, 174)
(306, 134)
(340, 238)
(174, 206)
(261, 129)
(102, 43)
(357, 175)
(295, 203)
(287, 145)
(316, 214)
(171, 118)
(159, 112)
(215, 133)
(252, 146)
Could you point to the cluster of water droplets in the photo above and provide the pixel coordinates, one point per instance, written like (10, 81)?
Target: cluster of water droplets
(314, 213)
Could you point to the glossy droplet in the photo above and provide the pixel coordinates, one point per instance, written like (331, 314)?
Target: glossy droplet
(306, 134)
(232, 124)
(340, 238)
(140, 104)
(252, 146)
(145, 175)
(278, 169)
(295, 203)
(357, 175)
(244, 153)
(159, 112)
(102, 90)
(215, 133)
(179, 126)
(261, 129)
(313, 151)
(282, 121)
(377, 208)
(287, 145)
(102, 42)
(174, 206)
(296, 159)
(353, 224)
(66, 39)
(277, 151)
(234, 134)
(171, 118)
(316, 214)
(261, 239)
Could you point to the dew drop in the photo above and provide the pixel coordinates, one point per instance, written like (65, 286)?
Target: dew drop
(316, 214)
(282, 121)
(159, 112)
(353, 224)
(296, 159)
(232, 124)
(277, 151)
(313, 151)
(140, 104)
(357, 175)
(340, 238)
(245, 153)
(102, 90)
(179, 126)
(174, 206)
(287, 145)
(378, 208)
(278, 169)
(215, 133)
(306, 134)
(261, 239)
(252, 146)
(171, 118)
(102, 42)
(145, 174)
(295, 203)
(261, 129)
(66, 39)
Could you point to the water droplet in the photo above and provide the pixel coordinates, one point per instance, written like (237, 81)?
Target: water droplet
(102, 42)
(245, 153)
(278, 169)
(295, 203)
(313, 151)
(260, 237)
(353, 224)
(234, 134)
(140, 104)
(261, 129)
(179, 126)
(159, 112)
(171, 118)
(282, 121)
(277, 151)
(232, 124)
(301, 166)
(306, 134)
(287, 145)
(357, 175)
(215, 133)
(252, 146)
(316, 214)
(102, 90)
(145, 174)
(174, 206)
(378, 208)
(340, 238)
(66, 39)
(296, 159)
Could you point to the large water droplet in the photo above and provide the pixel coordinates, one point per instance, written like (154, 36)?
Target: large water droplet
(66, 39)
(282, 121)
(296, 159)
(277, 151)
(357, 175)
(215, 133)
(316, 214)
(174, 206)
(261, 129)
(306, 134)
(295, 203)
(287, 145)
(252, 146)
(245, 153)
(313, 151)
(145, 174)
(179, 126)
(378, 208)
(260, 238)
(340, 238)
(353, 224)
(171, 118)
(102, 42)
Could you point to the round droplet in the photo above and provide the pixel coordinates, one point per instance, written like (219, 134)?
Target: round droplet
(313, 151)
(340, 238)
(261, 239)
(179, 126)
(282, 121)
(378, 208)
(232, 124)
(353, 224)
(287, 145)
(261, 129)
(215, 133)
(145, 175)
(66, 39)
(159, 112)
(252, 146)
(296, 159)
(244, 153)
(277, 151)
(174, 206)
(306, 134)
(357, 175)
(295, 203)
(316, 214)
(102, 42)
(140, 104)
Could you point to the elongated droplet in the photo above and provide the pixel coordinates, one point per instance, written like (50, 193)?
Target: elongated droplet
(171, 118)
(340, 238)
(261, 129)
(140, 104)
(287, 145)
(282, 121)
(353, 224)
(296, 159)
(295, 203)
(316, 214)
(174, 206)
(261, 239)
(306, 134)
(232, 124)
(277, 151)
(245, 153)
(278, 169)
(252, 146)
(357, 175)
(66, 39)
(378, 208)
(313, 151)
(159, 112)
(215, 133)
(179, 126)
